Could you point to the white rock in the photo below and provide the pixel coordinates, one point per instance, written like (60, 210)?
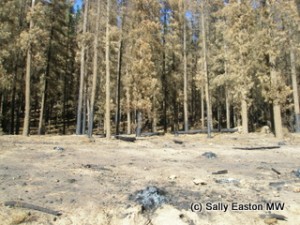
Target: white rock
(172, 177)
(199, 181)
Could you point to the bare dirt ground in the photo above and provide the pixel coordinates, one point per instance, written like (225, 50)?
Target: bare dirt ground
(91, 182)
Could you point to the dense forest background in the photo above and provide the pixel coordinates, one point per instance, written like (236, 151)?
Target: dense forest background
(127, 66)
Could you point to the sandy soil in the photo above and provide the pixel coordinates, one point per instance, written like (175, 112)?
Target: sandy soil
(91, 181)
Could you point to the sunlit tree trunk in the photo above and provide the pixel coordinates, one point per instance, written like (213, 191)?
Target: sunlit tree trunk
(128, 111)
(274, 80)
(207, 96)
(42, 109)
(202, 108)
(164, 77)
(244, 107)
(227, 103)
(107, 56)
(95, 72)
(118, 92)
(27, 83)
(185, 97)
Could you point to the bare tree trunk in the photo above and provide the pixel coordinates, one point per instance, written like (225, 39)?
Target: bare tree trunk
(244, 107)
(82, 70)
(227, 110)
(202, 108)
(42, 109)
(185, 97)
(274, 82)
(107, 54)
(84, 109)
(1, 111)
(244, 115)
(164, 78)
(208, 105)
(154, 116)
(44, 88)
(226, 90)
(295, 90)
(139, 123)
(276, 104)
(128, 111)
(118, 97)
(13, 103)
(27, 83)
(95, 72)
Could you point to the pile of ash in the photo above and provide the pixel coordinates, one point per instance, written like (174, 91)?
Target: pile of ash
(150, 198)
(209, 155)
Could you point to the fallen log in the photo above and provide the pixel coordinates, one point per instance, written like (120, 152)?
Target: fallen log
(33, 207)
(220, 172)
(150, 134)
(257, 148)
(128, 139)
(205, 131)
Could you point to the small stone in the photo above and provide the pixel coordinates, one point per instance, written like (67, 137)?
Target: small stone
(172, 177)
(276, 194)
(199, 181)
(296, 190)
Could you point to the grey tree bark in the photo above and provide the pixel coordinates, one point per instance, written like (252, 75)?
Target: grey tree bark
(95, 72)
(82, 70)
(205, 69)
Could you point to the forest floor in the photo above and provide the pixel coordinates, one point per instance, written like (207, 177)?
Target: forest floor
(96, 181)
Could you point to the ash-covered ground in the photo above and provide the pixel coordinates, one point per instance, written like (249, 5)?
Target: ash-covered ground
(103, 181)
